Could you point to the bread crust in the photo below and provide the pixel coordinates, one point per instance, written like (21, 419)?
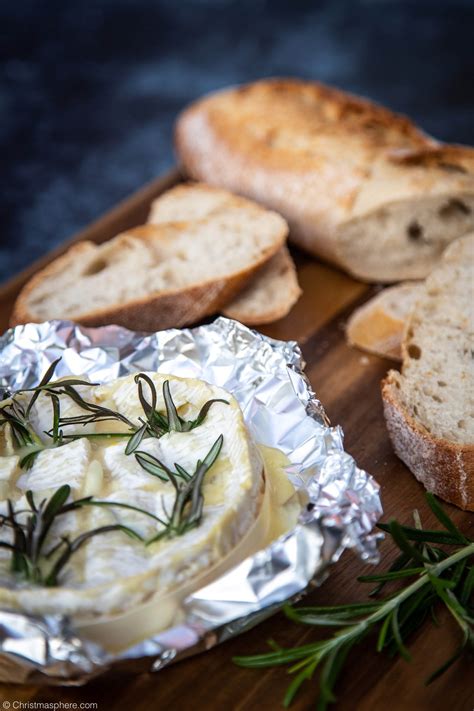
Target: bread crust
(174, 308)
(240, 308)
(443, 467)
(20, 313)
(309, 152)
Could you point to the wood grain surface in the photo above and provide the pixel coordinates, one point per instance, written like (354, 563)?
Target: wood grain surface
(348, 384)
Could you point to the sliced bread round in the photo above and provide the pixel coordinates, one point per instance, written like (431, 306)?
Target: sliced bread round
(156, 276)
(429, 406)
(273, 290)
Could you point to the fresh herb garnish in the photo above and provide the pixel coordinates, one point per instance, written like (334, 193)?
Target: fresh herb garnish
(17, 415)
(28, 554)
(32, 559)
(440, 576)
(24, 437)
(188, 504)
(156, 424)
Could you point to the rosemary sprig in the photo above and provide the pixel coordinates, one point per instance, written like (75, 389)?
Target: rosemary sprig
(16, 415)
(189, 501)
(156, 424)
(24, 437)
(31, 558)
(188, 504)
(439, 576)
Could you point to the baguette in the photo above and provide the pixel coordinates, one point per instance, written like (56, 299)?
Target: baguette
(274, 289)
(377, 326)
(429, 406)
(359, 185)
(156, 276)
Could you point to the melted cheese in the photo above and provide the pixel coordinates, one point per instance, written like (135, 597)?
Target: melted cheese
(112, 572)
(278, 514)
(54, 467)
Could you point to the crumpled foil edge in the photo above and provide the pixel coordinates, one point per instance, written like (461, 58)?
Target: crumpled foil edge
(281, 410)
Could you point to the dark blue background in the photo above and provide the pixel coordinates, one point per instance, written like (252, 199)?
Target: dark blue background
(90, 88)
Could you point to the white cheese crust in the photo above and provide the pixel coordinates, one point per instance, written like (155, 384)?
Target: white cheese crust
(112, 572)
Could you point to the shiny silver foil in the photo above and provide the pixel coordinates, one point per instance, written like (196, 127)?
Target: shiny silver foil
(281, 410)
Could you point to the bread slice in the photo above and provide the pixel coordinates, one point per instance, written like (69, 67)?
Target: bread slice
(156, 276)
(274, 289)
(270, 295)
(359, 185)
(429, 407)
(377, 326)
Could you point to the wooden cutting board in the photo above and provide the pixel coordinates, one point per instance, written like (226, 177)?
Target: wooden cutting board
(348, 384)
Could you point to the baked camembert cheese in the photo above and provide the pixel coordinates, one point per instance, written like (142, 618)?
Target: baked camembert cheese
(113, 494)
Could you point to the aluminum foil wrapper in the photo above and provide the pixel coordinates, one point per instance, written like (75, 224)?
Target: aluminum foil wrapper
(281, 410)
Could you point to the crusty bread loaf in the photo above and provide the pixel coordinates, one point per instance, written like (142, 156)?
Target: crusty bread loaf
(273, 290)
(156, 276)
(377, 326)
(429, 407)
(358, 184)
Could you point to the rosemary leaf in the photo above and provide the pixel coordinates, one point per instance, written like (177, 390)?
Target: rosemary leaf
(203, 412)
(71, 547)
(154, 466)
(174, 420)
(56, 502)
(445, 666)
(424, 536)
(331, 670)
(444, 519)
(181, 471)
(398, 637)
(135, 439)
(396, 531)
(391, 575)
(37, 391)
(189, 501)
(148, 409)
(305, 673)
(468, 588)
(28, 548)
